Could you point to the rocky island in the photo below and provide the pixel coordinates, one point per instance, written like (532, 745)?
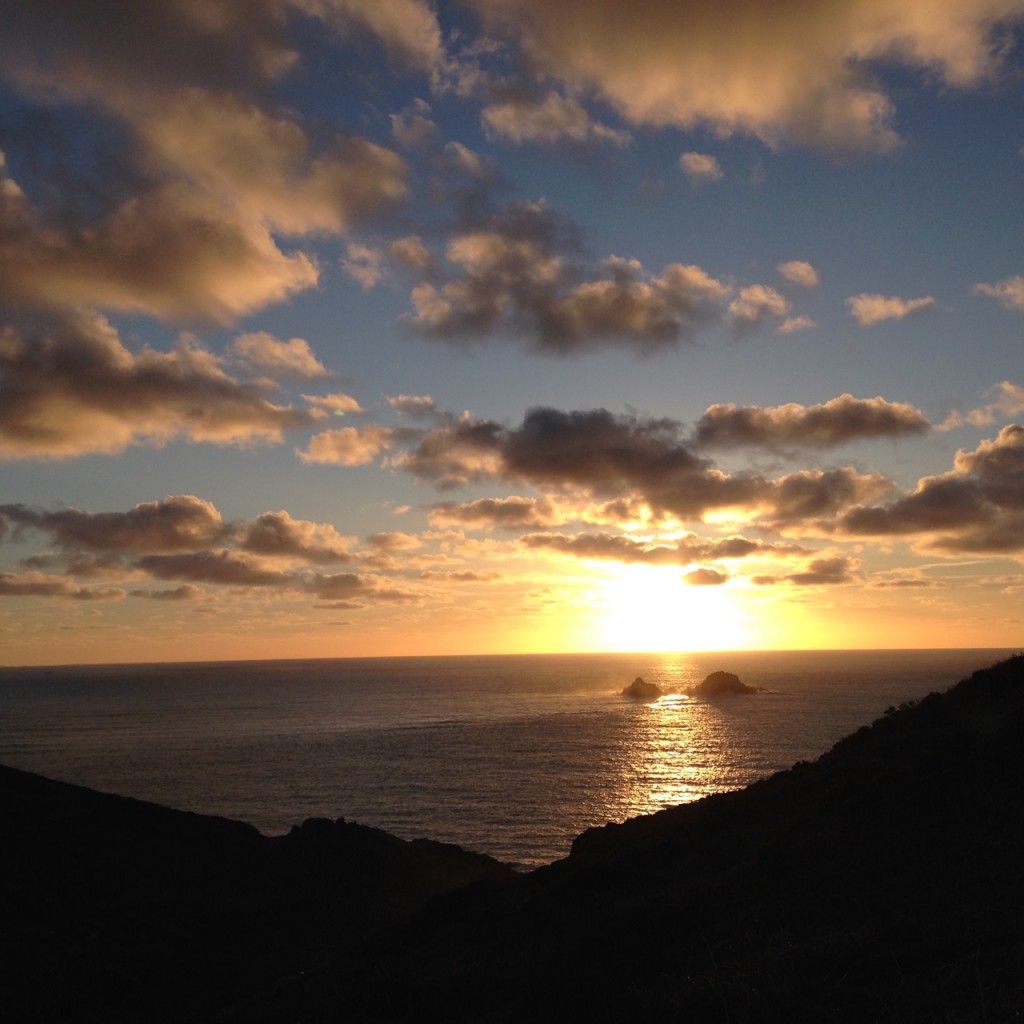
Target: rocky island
(720, 683)
(641, 690)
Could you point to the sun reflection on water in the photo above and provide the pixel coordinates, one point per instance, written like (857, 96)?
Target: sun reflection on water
(677, 748)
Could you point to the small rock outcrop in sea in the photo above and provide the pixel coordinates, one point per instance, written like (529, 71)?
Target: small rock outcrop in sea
(719, 683)
(640, 690)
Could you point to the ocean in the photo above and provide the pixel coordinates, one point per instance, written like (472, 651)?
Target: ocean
(512, 755)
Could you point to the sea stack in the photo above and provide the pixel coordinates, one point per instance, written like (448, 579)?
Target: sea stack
(719, 683)
(640, 690)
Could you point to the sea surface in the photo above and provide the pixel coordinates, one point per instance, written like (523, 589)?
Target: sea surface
(512, 756)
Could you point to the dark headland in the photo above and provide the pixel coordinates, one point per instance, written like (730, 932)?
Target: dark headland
(883, 882)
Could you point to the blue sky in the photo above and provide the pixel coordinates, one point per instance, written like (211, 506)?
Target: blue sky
(334, 327)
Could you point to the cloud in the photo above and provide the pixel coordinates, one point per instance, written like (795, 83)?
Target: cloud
(819, 572)
(785, 73)
(757, 303)
(1009, 292)
(292, 358)
(626, 458)
(172, 252)
(412, 253)
(1008, 403)
(868, 310)
(36, 584)
(347, 446)
(705, 578)
(553, 119)
(978, 506)
(408, 29)
(261, 164)
(466, 576)
(837, 421)
(346, 586)
(629, 551)
(699, 167)
(333, 405)
(75, 388)
(515, 275)
(414, 406)
(364, 265)
(210, 171)
(221, 567)
(278, 535)
(180, 522)
(393, 541)
(186, 593)
(511, 513)
(455, 454)
(796, 323)
(800, 273)
(463, 160)
(413, 128)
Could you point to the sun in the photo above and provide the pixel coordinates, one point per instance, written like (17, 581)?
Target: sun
(651, 608)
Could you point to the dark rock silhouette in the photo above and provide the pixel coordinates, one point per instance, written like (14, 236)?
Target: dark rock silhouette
(719, 683)
(882, 882)
(641, 690)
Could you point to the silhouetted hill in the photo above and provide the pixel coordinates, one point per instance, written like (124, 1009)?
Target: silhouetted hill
(114, 909)
(883, 882)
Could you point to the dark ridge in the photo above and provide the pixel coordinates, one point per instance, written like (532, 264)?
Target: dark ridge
(113, 909)
(883, 882)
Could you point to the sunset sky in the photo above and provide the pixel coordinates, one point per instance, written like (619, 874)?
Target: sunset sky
(385, 327)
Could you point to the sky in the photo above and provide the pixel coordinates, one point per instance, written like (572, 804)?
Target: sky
(387, 327)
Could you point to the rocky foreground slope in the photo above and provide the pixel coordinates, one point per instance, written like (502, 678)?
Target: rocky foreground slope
(883, 882)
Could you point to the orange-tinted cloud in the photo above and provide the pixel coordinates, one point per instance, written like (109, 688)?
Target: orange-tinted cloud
(785, 72)
(75, 388)
(869, 310)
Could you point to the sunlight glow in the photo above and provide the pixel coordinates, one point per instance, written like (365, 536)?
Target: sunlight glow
(651, 608)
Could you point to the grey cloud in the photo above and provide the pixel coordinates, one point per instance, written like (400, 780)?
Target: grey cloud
(819, 572)
(518, 272)
(976, 507)
(230, 568)
(812, 493)
(186, 593)
(346, 586)
(622, 457)
(180, 522)
(837, 421)
(511, 513)
(278, 535)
